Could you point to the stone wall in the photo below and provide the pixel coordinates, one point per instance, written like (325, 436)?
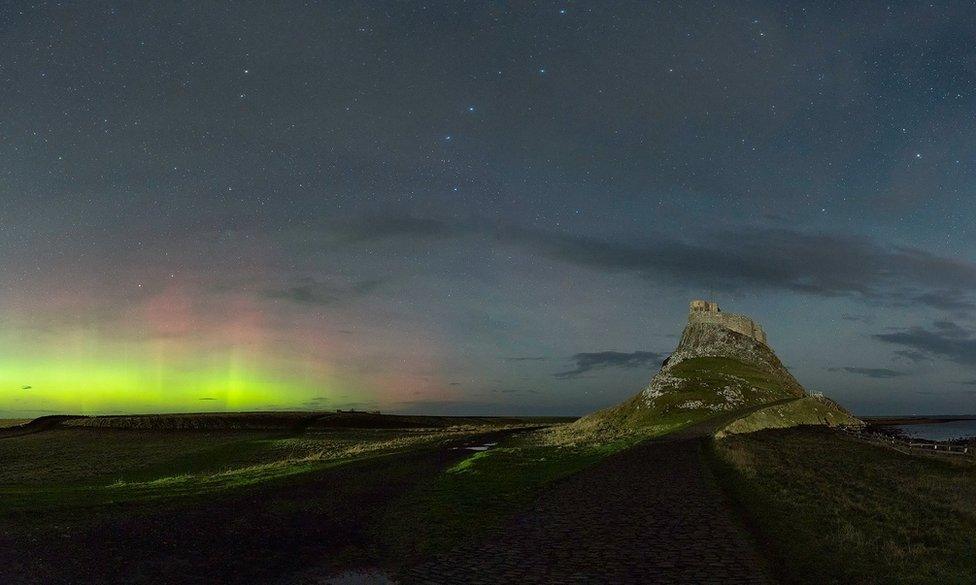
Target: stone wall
(709, 312)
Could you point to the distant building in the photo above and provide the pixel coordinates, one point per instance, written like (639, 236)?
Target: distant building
(701, 311)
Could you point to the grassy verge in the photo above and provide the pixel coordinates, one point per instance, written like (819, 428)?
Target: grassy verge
(801, 411)
(318, 501)
(832, 509)
(84, 468)
(484, 489)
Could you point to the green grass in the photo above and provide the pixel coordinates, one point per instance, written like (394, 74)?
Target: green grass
(715, 369)
(802, 411)
(705, 377)
(699, 389)
(833, 509)
(84, 467)
(12, 422)
(73, 457)
(487, 487)
(364, 495)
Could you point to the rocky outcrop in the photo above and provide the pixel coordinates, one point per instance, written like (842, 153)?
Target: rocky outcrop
(722, 365)
(711, 340)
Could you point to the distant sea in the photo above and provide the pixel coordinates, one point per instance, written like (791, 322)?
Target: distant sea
(941, 431)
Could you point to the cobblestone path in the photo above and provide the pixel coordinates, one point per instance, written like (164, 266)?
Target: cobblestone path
(651, 514)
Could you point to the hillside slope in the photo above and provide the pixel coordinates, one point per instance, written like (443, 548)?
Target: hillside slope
(715, 370)
(811, 410)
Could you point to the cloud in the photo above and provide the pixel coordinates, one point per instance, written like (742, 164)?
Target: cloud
(820, 264)
(317, 402)
(944, 338)
(912, 355)
(385, 227)
(525, 359)
(878, 373)
(950, 329)
(823, 264)
(315, 292)
(946, 300)
(452, 407)
(857, 318)
(587, 362)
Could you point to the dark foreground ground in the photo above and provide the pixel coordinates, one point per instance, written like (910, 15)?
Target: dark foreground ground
(268, 534)
(262, 503)
(650, 514)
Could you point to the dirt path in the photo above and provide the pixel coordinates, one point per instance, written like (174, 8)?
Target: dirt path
(651, 514)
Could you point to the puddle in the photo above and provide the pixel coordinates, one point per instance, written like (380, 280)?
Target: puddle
(484, 447)
(361, 577)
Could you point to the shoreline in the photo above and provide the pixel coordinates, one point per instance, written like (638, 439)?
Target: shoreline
(885, 421)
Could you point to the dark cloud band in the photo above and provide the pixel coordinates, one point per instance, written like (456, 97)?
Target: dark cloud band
(587, 362)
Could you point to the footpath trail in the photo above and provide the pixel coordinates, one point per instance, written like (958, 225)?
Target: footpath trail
(651, 514)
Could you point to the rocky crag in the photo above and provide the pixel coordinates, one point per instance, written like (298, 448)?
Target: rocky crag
(722, 369)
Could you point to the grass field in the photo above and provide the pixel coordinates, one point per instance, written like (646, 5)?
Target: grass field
(479, 491)
(292, 494)
(693, 391)
(832, 509)
(12, 422)
(96, 462)
(133, 489)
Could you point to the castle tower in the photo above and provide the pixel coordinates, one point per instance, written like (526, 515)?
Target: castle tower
(699, 305)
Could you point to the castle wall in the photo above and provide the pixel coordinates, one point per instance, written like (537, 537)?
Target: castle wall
(699, 305)
(707, 312)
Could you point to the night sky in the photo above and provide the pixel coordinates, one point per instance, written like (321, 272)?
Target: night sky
(479, 207)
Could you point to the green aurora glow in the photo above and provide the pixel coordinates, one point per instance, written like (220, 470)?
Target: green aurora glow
(153, 377)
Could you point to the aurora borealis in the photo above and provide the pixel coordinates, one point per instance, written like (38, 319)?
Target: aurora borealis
(478, 207)
(163, 356)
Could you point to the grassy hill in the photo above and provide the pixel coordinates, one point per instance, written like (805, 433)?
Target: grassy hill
(811, 410)
(716, 372)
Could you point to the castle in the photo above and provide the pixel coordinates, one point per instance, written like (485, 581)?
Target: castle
(708, 312)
